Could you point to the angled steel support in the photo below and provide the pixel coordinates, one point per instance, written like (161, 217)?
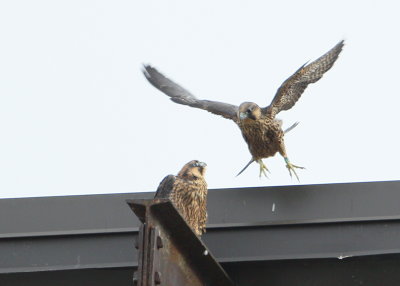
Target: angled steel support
(169, 251)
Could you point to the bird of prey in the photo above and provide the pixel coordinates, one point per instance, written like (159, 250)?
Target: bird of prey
(188, 192)
(260, 129)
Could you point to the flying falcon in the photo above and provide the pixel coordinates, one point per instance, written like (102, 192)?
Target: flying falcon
(188, 192)
(260, 129)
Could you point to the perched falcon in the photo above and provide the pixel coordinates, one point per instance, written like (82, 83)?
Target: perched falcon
(260, 129)
(188, 192)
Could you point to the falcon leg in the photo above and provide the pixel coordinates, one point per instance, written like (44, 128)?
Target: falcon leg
(292, 167)
(263, 168)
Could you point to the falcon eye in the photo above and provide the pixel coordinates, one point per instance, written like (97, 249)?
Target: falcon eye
(249, 110)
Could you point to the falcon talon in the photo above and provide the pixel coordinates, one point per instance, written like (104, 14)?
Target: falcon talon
(263, 169)
(260, 129)
(291, 168)
(263, 173)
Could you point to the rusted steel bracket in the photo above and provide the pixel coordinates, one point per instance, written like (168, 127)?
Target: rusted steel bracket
(170, 253)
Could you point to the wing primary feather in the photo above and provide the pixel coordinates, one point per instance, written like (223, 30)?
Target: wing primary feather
(293, 87)
(165, 188)
(181, 96)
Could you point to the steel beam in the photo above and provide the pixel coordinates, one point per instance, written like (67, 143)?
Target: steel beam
(169, 251)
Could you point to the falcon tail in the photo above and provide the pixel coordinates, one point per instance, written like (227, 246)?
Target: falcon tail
(291, 127)
(248, 164)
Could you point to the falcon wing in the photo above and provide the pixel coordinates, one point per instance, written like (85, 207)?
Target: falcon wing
(292, 88)
(180, 95)
(164, 190)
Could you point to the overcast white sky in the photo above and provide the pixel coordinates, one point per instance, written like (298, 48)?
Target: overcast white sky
(78, 117)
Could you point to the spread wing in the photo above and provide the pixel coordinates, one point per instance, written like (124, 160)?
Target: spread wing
(292, 88)
(180, 95)
(164, 190)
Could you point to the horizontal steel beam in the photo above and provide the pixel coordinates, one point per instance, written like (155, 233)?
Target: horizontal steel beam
(275, 205)
(248, 224)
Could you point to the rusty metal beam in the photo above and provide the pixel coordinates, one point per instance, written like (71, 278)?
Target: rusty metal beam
(169, 251)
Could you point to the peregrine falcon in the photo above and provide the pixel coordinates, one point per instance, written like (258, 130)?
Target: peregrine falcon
(188, 192)
(260, 129)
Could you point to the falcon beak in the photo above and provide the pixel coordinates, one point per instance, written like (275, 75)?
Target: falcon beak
(242, 115)
(201, 164)
(202, 168)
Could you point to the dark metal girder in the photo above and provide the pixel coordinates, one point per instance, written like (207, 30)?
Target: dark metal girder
(235, 207)
(287, 222)
(169, 251)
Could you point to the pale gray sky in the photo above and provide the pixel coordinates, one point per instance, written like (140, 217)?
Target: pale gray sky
(78, 117)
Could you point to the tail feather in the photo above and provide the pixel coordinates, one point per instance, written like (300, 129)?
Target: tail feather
(248, 164)
(291, 127)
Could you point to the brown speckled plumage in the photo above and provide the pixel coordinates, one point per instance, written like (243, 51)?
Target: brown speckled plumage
(188, 192)
(264, 137)
(261, 131)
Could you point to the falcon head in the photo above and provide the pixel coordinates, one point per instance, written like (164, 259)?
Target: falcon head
(193, 170)
(249, 110)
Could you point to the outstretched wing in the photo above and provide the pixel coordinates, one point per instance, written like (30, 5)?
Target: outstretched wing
(164, 190)
(292, 88)
(180, 95)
